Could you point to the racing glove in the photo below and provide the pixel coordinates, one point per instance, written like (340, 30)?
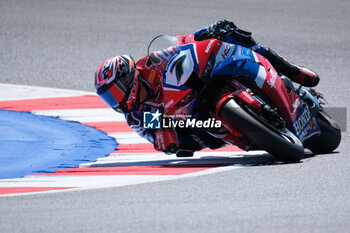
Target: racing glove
(227, 31)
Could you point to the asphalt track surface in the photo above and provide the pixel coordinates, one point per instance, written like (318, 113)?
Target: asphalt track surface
(61, 43)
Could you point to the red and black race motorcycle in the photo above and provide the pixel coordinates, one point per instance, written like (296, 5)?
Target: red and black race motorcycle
(262, 113)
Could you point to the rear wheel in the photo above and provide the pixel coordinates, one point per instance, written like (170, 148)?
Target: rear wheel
(330, 136)
(280, 143)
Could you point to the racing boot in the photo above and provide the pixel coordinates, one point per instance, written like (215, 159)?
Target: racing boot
(297, 73)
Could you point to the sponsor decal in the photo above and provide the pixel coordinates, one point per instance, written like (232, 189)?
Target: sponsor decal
(250, 98)
(271, 82)
(209, 46)
(296, 104)
(152, 76)
(302, 121)
(169, 103)
(225, 52)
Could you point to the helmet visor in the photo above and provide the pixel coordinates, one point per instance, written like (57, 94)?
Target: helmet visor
(113, 96)
(116, 92)
(124, 82)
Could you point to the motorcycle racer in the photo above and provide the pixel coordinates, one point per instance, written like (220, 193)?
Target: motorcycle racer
(133, 89)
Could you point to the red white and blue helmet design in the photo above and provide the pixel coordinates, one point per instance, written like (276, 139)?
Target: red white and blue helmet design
(113, 81)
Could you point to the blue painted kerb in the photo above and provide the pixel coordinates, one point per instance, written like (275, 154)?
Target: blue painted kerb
(32, 144)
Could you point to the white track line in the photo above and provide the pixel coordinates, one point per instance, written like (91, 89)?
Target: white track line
(20, 92)
(128, 138)
(84, 115)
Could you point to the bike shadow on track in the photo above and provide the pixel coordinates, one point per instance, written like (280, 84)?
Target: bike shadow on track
(201, 160)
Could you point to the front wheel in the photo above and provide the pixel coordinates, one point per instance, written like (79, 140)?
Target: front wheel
(279, 143)
(330, 136)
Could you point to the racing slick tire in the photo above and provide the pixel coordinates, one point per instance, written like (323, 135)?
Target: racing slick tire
(330, 136)
(279, 143)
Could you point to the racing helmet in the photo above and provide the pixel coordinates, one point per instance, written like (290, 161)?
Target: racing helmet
(113, 81)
